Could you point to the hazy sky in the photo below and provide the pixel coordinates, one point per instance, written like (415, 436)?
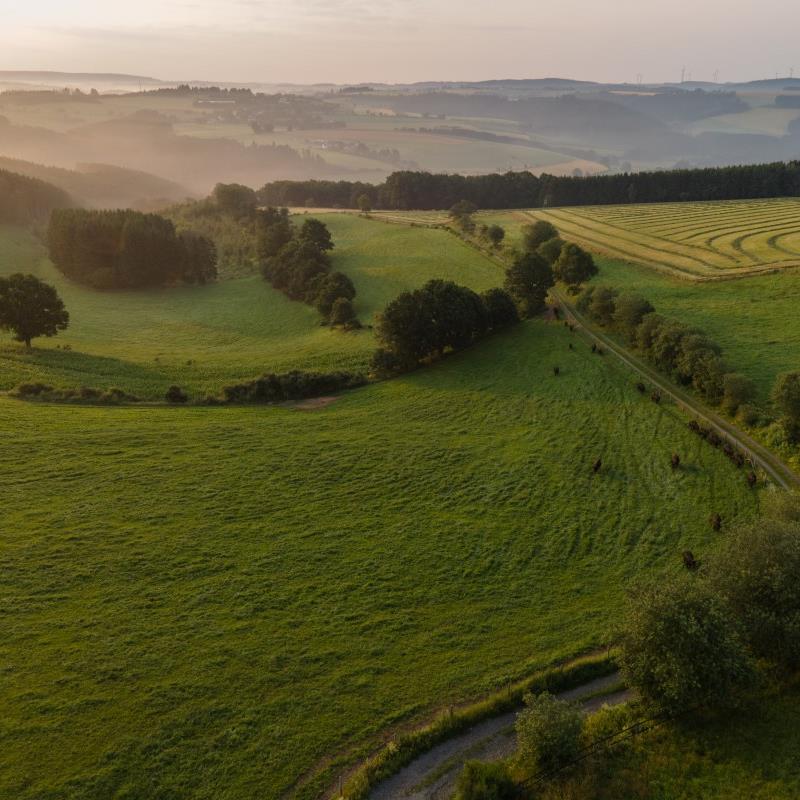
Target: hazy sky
(403, 40)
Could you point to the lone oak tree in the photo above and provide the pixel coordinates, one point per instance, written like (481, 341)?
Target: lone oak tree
(30, 308)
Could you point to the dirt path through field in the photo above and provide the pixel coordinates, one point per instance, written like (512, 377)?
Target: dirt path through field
(433, 775)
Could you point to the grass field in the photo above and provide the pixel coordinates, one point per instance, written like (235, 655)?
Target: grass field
(695, 240)
(203, 338)
(209, 602)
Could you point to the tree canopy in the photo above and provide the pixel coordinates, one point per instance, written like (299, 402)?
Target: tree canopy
(30, 308)
(528, 280)
(127, 250)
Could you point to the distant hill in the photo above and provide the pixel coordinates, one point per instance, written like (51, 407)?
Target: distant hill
(104, 185)
(24, 200)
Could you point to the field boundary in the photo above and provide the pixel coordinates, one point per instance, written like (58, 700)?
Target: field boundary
(403, 748)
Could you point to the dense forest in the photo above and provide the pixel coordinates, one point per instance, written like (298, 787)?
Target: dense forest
(25, 200)
(127, 250)
(422, 190)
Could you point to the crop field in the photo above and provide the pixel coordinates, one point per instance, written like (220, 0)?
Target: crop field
(205, 337)
(694, 240)
(216, 601)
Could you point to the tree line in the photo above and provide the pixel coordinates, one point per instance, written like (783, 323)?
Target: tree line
(295, 261)
(27, 201)
(684, 353)
(406, 190)
(127, 249)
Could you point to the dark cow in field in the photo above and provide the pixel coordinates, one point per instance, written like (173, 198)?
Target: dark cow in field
(596, 467)
(715, 520)
(675, 461)
(689, 561)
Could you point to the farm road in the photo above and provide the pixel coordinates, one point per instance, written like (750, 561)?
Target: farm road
(433, 775)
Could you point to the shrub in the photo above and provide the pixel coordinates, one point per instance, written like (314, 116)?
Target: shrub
(682, 648)
(272, 388)
(343, 314)
(748, 415)
(737, 390)
(481, 781)
(176, 395)
(549, 733)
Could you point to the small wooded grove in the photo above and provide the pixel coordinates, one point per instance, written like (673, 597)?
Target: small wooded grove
(422, 190)
(127, 249)
(25, 201)
(295, 261)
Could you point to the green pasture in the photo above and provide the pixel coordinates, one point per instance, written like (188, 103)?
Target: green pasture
(237, 602)
(203, 338)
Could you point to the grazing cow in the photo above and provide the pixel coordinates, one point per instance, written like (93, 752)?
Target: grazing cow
(597, 465)
(570, 346)
(594, 347)
(641, 388)
(752, 479)
(689, 561)
(556, 371)
(676, 461)
(655, 397)
(716, 522)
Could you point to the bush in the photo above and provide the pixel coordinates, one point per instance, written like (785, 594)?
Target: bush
(272, 388)
(682, 648)
(86, 394)
(748, 415)
(736, 390)
(549, 733)
(480, 781)
(176, 395)
(343, 315)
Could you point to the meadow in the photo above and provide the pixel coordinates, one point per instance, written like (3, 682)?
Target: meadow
(203, 338)
(702, 241)
(236, 602)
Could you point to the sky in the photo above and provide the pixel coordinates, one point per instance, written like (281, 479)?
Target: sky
(398, 41)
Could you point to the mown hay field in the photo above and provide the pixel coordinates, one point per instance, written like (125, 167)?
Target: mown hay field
(214, 602)
(694, 240)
